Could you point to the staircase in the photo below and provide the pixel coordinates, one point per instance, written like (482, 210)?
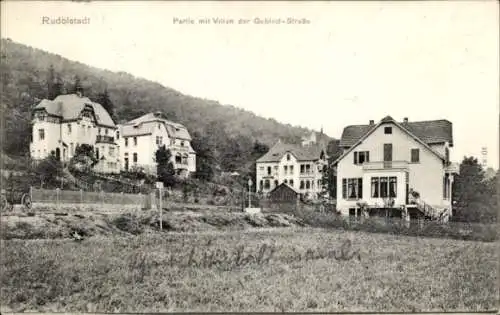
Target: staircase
(77, 182)
(430, 211)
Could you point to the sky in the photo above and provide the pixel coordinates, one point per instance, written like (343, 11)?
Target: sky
(352, 62)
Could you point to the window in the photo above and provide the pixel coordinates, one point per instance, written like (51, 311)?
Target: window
(41, 134)
(135, 158)
(111, 151)
(388, 130)
(286, 181)
(159, 140)
(302, 168)
(261, 184)
(285, 169)
(415, 155)
(178, 158)
(352, 188)
(159, 126)
(308, 184)
(69, 128)
(301, 184)
(135, 140)
(288, 157)
(392, 187)
(267, 184)
(291, 182)
(126, 141)
(361, 157)
(308, 168)
(97, 153)
(291, 169)
(269, 170)
(383, 187)
(375, 187)
(276, 183)
(106, 131)
(182, 143)
(117, 135)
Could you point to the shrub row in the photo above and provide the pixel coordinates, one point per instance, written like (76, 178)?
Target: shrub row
(453, 230)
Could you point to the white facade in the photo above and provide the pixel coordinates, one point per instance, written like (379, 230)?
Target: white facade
(390, 162)
(301, 167)
(140, 138)
(59, 126)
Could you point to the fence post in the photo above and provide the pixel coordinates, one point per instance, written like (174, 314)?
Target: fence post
(102, 196)
(81, 195)
(57, 198)
(31, 193)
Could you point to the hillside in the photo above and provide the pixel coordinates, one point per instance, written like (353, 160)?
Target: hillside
(225, 129)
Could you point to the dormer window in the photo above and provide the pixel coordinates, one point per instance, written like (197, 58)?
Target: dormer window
(288, 157)
(159, 126)
(182, 143)
(388, 130)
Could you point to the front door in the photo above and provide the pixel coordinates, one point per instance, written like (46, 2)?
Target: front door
(126, 164)
(387, 155)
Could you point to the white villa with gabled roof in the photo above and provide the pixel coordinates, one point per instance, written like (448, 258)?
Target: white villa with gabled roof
(140, 138)
(60, 125)
(403, 167)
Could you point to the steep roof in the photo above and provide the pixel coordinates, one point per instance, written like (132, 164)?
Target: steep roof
(302, 153)
(430, 131)
(403, 126)
(142, 126)
(69, 106)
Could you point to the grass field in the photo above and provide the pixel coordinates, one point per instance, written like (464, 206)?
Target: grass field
(275, 269)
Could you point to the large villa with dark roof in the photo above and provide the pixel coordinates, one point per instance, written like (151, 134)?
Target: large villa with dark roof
(298, 166)
(396, 168)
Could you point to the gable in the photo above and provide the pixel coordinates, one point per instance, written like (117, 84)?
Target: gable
(401, 138)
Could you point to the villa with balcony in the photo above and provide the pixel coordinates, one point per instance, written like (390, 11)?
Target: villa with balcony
(396, 169)
(298, 166)
(140, 139)
(59, 126)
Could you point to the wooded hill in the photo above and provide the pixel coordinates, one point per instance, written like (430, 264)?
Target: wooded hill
(226, 137)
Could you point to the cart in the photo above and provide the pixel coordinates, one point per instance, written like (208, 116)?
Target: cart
(15, 191)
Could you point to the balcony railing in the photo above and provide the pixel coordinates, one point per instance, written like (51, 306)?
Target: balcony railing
(105, 139)
(385, 165)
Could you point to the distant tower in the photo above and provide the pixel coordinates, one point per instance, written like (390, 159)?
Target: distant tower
(484, 157)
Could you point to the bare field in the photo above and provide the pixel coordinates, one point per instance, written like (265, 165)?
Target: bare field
(271, 269)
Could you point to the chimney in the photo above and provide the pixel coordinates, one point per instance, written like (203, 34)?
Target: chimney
(372, 122)
(405, 120)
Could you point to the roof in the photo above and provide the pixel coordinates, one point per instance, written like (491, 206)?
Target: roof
(287, 186)
(430, 131)
(406, 128)
(302, 153)
(69, 106)
(142, 126)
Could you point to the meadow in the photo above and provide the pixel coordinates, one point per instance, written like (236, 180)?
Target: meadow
(257, 269)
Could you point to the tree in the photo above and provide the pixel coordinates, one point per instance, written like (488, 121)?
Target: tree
(77, 86)
(205, 160)
(48, 170)
(164, 168)
(84, 159)
(105, 101)
(54, 84)
(473, 196)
